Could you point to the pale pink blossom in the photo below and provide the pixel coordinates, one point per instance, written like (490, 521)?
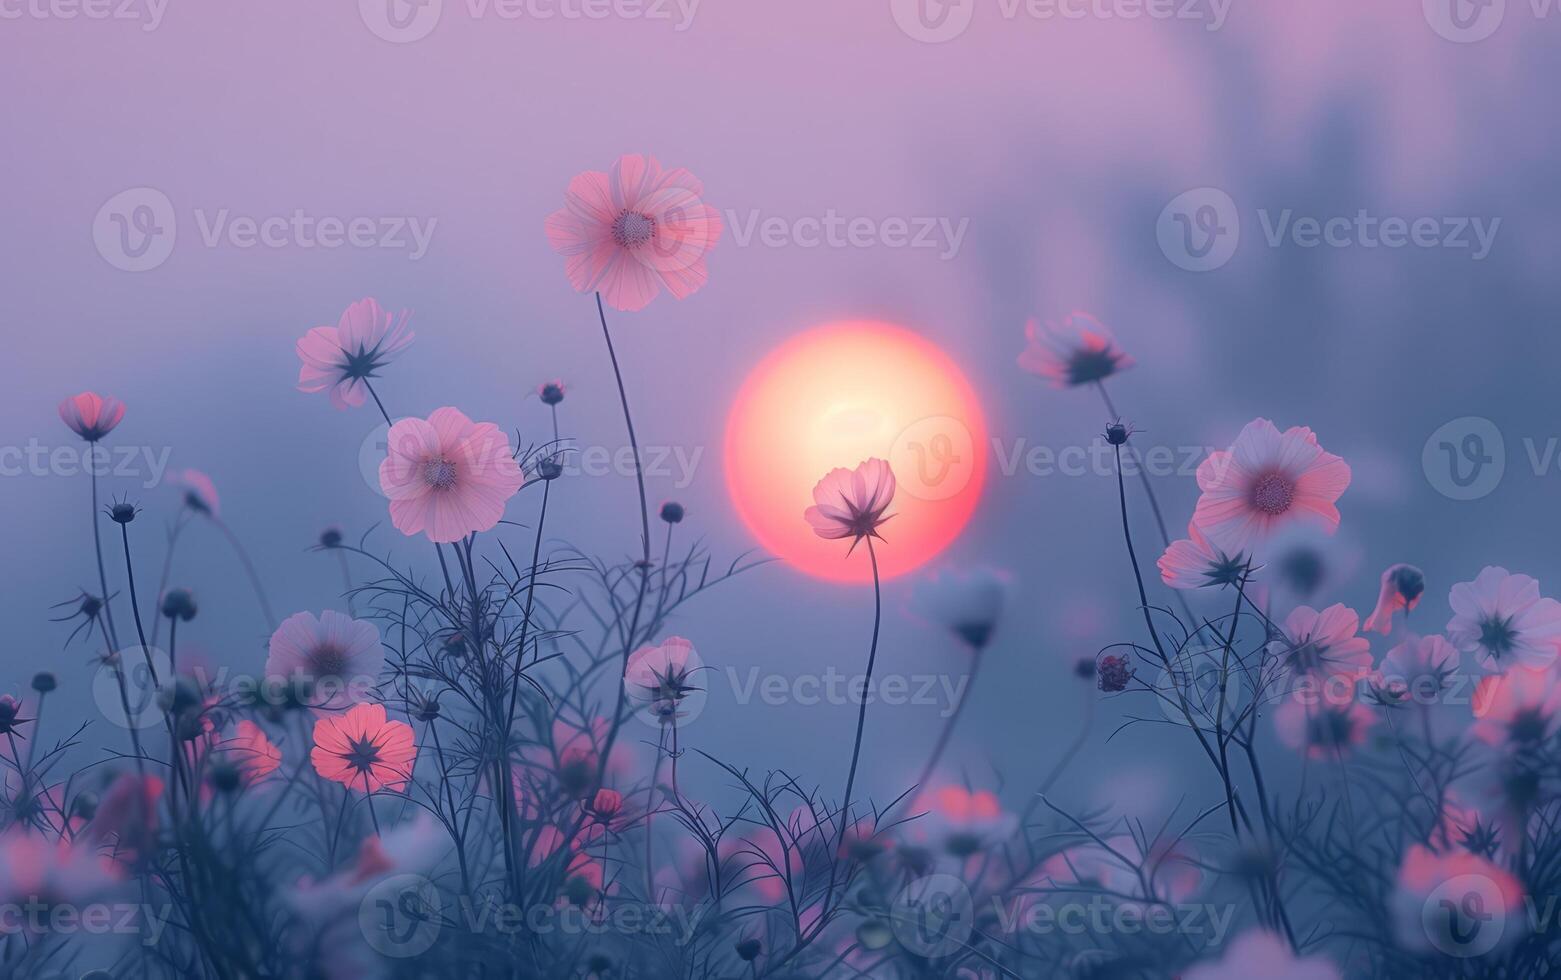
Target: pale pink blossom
(448, 476)
(962, 821)
(1433, 888)
(337, 656)
(200, 494)
(1402, 587)
(1326, 644)
(1328, 729)
(662, 676)
(1417, 670)
(966, 602)
(1170, 871)
(1078, 350)
(1502, 619)
(1266, 480)
(851, 503)
(1259, 953)
(38, 870)
(630, 233)
(1517, 708)
(91, 415)
(1194, 562)
(342, 358)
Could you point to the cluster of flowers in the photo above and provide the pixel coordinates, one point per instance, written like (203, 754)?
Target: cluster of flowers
(414, 777)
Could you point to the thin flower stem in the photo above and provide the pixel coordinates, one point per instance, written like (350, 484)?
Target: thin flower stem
(953, 719)
(97, 546)
(377, 403)
(861, 714)
(249, 569)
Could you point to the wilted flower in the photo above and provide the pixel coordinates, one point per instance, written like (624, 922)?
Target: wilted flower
(1194, 563)
(1268, 479)
(333, 652)
(90, 415)
(363, 749)
(342, 358)
(1402, 587)
(967, 602)
(1502, 619)
(1113, 671)
(448, 476)
(1258, 953)
(851, 503)
(632, 232)
(1079, 350)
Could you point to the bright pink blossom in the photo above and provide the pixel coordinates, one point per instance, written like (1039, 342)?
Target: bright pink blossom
(364, 750)
(448, 476)
(91, 415)
(1268, 479)
(342, 358)
(632, 232)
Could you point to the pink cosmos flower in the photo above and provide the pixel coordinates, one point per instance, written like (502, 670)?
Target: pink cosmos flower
(251, 752)
(851, 503)
(661, 676)
(1435, 892)
(1258, 953)
(1402, 587)
(126, 821)
(964, 822)
(1328, 729)
(336, 654)
(200, 494)
(363, 749)
(1517, 708)
(629, 233)
(342, 358)
(1079, 350)
(1266, 480)
(1417, 670)
(37, 870)
(1502, 619)
(1194, 563)
(91, 415)
(448, 477)
(1325, 644)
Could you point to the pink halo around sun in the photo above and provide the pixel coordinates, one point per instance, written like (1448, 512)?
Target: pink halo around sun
(839, 394)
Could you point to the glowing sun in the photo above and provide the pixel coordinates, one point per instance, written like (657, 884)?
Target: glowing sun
(835, 396)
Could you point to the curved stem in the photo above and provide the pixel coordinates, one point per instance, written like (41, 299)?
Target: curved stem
(861, 714)
(97, 546)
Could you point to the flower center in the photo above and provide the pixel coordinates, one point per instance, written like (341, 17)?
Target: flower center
(328, 661)
(1273, 494)
(631, 229)
(439, 473)
(1497, 635)
(362, 755)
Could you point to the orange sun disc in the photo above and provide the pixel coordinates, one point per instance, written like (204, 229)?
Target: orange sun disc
(835, 396)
